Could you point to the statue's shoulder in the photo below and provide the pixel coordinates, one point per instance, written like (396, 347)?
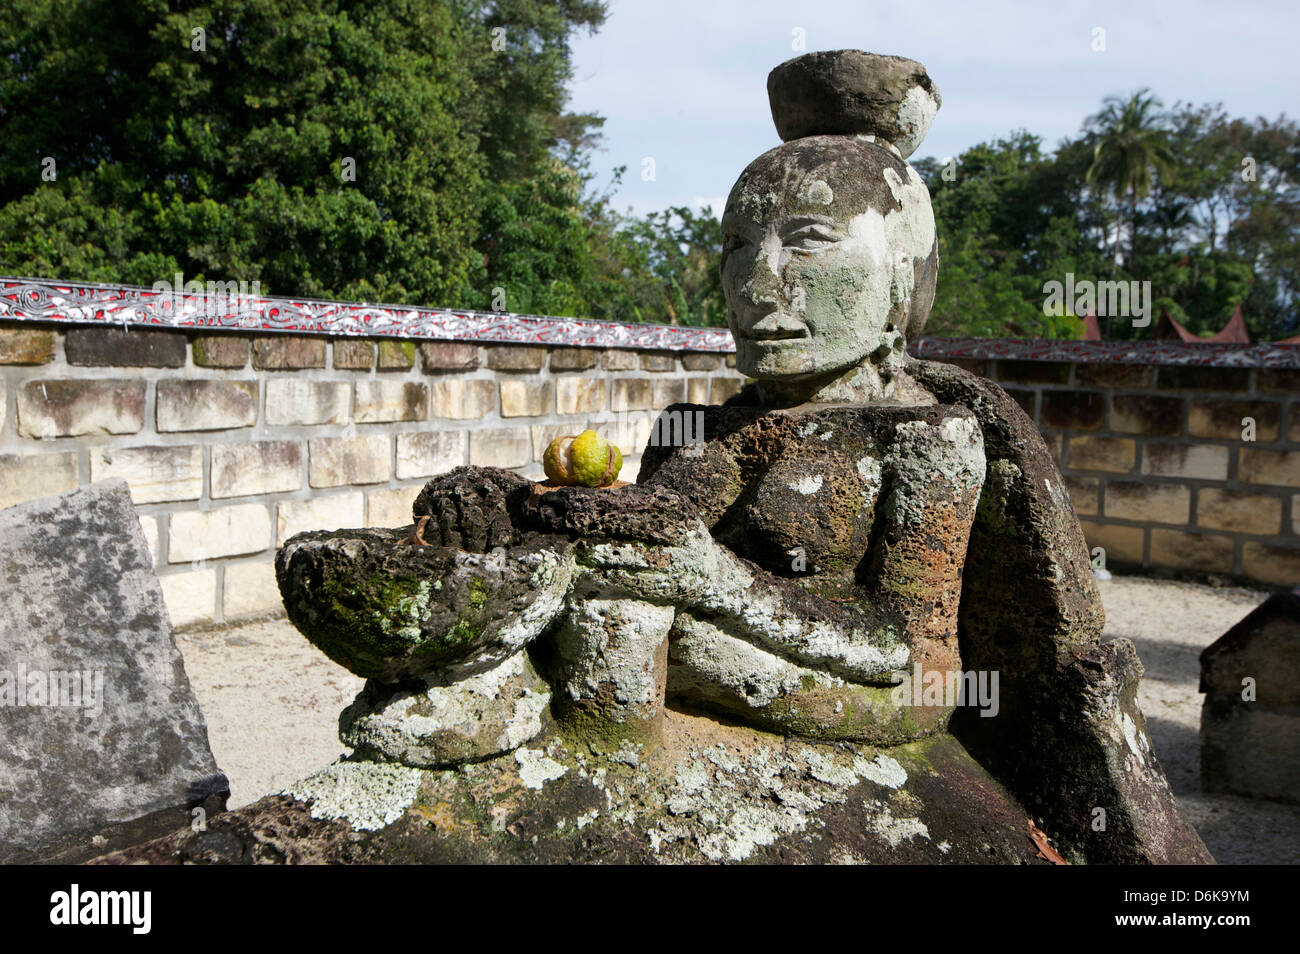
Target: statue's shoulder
(1026, 530)
(1003, 421)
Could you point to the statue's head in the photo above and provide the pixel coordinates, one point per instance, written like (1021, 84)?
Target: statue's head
(829, 250)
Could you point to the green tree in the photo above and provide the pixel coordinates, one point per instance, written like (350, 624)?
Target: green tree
(236, 159)
(1129, 149)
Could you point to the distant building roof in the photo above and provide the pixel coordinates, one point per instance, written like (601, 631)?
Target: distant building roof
(1234, 332)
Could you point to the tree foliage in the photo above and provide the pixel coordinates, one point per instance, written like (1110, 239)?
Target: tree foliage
(1204, 207)
(422, 152)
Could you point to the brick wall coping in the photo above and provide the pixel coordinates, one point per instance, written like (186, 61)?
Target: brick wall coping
(87, 303)
(1263, 355)
(126, 306)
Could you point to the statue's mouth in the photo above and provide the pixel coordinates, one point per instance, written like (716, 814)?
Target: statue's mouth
(774, 337)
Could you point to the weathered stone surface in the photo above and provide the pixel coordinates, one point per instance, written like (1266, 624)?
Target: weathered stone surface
(449, 722)
(848, 93)
(205, 405)
(1278, 468)
(620, 359)
(291, 403)
(191, 597)
(288, 353)
(28, 476)
(425, 453)
(1238, 510)
(1279, 565)
(656, 514)
(320, 512)
(390, 508)
(711, 794)
(1250, 722)
(658, 361)
(226, 531)
(461, 400)
(133, 348)
(1143, 414)
(1225, 419)
(26, 346)
(1158, 503)
(526, 398)
(1114, 454)
(340, 461)
(383, 401)
(1069, 735)
(123, 756)
(574, 359)
(701, 362)
(473, 508)
(500, 447)
(515, 357)
(631, 394)
(368, 600)
(787, 565)
(396, 355)
(153, 473)
(259, 467)
(1197, 552)
(450, 356)
(1202, 462)
(149, 526)
(75, 408)
(354, 354)
(220, 351)
(579, 395)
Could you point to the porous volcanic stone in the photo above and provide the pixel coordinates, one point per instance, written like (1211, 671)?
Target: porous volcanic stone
(710, 794)
(448, 722)
(388, 609)
(849, 92)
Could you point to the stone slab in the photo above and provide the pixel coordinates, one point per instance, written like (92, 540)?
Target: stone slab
(124, 756)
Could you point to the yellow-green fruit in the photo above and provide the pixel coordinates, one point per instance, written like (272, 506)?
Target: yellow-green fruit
(556, 460)
(587, 459)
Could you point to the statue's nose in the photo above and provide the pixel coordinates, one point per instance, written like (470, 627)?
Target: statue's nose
(759, 295)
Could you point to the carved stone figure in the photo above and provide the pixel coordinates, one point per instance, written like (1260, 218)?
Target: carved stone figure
(857, 534)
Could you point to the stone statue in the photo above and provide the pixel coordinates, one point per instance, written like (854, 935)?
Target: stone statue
(857, 533)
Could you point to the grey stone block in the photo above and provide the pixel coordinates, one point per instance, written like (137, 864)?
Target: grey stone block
(123, 756)
(1250, 723)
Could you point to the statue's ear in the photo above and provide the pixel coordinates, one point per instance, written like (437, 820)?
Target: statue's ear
(902, 277)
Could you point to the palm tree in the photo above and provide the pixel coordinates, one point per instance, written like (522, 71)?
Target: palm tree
(1131, 148)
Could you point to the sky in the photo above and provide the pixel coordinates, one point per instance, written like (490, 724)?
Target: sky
(684, 82)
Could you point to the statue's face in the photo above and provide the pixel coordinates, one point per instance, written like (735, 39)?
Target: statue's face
(822, 239)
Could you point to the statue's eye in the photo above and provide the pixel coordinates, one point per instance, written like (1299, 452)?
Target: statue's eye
(731, 243)
(810, 238)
